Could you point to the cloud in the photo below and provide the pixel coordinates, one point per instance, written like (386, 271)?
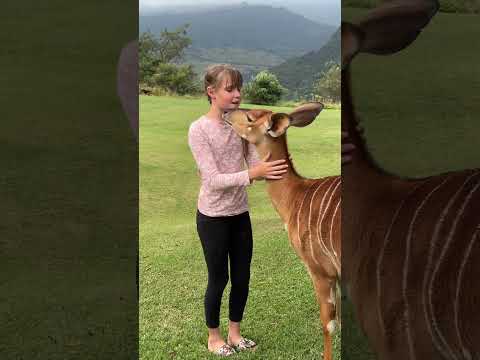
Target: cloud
(324, 11)
(158, 4)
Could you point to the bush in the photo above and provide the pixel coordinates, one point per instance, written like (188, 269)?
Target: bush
(327, 87)
(176, 79)
(264, 89)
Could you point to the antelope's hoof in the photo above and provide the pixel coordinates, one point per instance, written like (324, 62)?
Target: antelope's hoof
(331, 326)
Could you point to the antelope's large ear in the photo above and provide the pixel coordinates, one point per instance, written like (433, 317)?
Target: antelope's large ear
(305, 114)
(279, 123)
(352, 38)
(255, 114)
(394, 25)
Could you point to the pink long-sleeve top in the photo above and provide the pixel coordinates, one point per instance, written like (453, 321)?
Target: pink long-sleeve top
(222, 159)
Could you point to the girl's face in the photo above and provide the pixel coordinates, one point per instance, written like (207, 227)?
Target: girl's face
(226, 97)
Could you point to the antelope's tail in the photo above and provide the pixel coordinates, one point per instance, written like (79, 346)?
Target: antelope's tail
(338, 303)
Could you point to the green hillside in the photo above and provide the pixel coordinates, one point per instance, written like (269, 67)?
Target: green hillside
(251, 27)
(249, 62)
(298, 74)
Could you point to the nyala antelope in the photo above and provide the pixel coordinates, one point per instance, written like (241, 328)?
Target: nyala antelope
(411, 248)
(309, 208)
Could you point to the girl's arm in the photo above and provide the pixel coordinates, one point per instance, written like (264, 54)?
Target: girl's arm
(251, 156)
(205, 160)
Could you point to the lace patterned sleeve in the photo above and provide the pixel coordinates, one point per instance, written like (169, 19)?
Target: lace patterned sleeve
(205, 160)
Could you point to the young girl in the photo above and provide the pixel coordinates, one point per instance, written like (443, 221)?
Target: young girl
(223, 221)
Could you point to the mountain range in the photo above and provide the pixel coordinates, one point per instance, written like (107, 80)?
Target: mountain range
(298, 74)
(252, 38)
(252, 27)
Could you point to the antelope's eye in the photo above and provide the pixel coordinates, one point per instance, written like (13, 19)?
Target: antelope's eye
(248, 119)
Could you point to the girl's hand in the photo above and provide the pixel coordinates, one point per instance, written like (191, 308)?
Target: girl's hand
(272, 170)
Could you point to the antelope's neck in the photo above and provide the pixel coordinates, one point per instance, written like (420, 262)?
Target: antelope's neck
(283, 191)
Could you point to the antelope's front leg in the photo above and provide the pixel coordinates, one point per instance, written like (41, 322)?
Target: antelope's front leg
(325, 293)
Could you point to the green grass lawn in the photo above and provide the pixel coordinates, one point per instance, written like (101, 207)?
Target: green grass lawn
(282, 314)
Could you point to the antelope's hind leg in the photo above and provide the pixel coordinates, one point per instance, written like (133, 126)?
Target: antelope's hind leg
(325, 289)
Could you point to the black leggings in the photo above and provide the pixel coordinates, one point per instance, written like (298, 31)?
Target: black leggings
(221, 238)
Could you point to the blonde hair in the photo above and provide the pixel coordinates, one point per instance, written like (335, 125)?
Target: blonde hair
(216, 73)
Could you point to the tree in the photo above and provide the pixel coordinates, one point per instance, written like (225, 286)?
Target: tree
(264, 89)
(175, 78)
(328, 84)
(147, 59)
(168, 48)
(172, 44)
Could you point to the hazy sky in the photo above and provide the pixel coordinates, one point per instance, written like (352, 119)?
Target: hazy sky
(326, 11)
(159, 3)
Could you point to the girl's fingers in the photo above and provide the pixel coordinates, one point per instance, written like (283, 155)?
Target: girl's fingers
(278, 167)
(277, 162)
(267, 156)
(278, 172)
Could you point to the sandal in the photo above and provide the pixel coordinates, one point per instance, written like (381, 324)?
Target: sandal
(224, 350)
(244, 344)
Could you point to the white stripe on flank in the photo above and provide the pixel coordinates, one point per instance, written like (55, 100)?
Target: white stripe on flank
(438, 226)
(442, 255)
(381, 255)
(309, 219)
(323, 247)
(330, 255)
(299, 211)
(331, 235)
(465, 351)
(406, 265)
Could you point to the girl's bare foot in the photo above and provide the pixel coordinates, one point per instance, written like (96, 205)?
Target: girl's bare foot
(215, 343)
(237, 341)
(219, 347)
(234, 339)
(234, 336)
